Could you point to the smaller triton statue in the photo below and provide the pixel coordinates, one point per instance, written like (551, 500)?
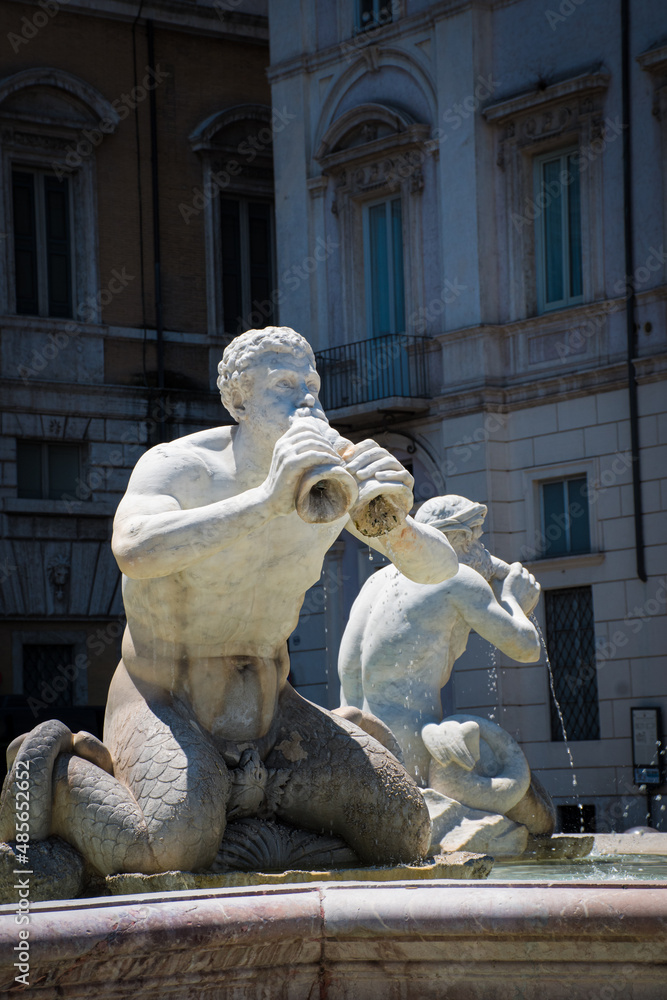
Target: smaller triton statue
(402, 638)
(397, 653)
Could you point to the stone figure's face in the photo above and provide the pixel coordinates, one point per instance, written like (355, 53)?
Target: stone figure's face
(470, 550)
(284, 387)
(464, 542)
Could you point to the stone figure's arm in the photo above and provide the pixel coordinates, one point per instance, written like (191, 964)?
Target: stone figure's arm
(155, 536)
(420, 552)
(503, 623)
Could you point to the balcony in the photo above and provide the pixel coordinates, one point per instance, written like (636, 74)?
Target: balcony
(391, 370)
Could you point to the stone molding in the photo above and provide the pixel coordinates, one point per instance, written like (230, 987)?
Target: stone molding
(654, 60)
(395, 31)
(202, 138)
(565, 563)
(203, 18)
(573, 90)
(86, 508)
(59, 79)
(379, 941)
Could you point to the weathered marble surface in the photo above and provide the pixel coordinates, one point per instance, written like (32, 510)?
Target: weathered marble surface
(481, 795)
(560, 845)
(398, 651)
(630, 843)
(413, 941)
(57, 871)
(218, 541)
(457, 865)
(403, 637)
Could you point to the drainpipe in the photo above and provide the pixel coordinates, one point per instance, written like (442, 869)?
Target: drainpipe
(155, 191)
(630, 291)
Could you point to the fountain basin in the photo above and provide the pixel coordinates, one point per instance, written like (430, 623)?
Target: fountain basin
(469, 940)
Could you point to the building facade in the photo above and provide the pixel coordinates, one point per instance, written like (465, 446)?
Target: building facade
(469, 227)
(135, 154)
(471, 231)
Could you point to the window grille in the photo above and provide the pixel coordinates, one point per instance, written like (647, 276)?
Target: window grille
(570, 638)
(373, 14)
(43, 670)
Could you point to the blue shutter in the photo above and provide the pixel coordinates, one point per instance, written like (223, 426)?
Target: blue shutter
(379, 267)
(554, 519)
(553, 232)
(574, 228)
(397, 261)
(580, 533)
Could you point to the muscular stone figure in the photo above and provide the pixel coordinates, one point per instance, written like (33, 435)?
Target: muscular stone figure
(402, 637)
(216, 562)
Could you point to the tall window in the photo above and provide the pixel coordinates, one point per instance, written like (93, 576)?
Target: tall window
(565, 517)
(247, 263)
(42, 244)
(46, 470)
(383, 244)
(558, 236)
(372, 13)
(570, 638)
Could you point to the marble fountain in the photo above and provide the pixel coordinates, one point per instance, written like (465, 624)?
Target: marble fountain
(229, 839)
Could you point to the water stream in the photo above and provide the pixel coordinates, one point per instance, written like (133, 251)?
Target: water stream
(562, 723)
(493, 683)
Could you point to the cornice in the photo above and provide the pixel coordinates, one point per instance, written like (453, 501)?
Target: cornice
(654, 60)
(586, 84)
(201, 18)
(356, 44)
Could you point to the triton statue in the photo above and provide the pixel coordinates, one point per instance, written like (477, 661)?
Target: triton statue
(219, 536)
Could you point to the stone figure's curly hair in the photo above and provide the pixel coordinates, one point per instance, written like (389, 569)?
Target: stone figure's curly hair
(243, 351)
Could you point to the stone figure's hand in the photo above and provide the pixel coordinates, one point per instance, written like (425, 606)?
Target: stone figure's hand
(370, 461)
(522, 586)
(298, 451)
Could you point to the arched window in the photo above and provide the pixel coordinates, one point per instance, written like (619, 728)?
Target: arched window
(373, 156)
(52, 124)
(236, 151)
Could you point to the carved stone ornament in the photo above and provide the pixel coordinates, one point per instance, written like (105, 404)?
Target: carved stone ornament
(545, 112)
(255, 845)
(37, 140)
(389, 172)
(58, 571)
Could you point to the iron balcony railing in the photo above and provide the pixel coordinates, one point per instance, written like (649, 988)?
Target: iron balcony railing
(371, 370)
